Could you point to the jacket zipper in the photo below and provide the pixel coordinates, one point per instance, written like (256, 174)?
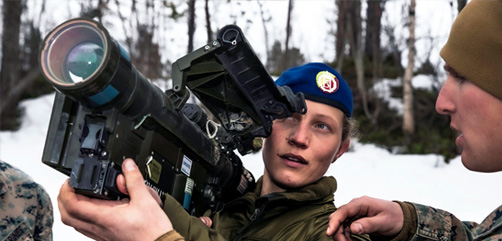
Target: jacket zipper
(255, 217)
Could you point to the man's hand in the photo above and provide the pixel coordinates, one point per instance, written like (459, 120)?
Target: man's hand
(137, 218)
(365, 215)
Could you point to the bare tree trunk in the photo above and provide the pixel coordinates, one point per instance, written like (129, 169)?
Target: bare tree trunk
(288, 35)
(191, 24)
(373, 28)
(12, 96)
(147, 60)
(372, 48)
(341, 33)
(42, 12)
(11, 64)
(461, 4)
(208, 23)
(408, 118)
(87, 9)
(125, 30)
(355, 40)
(265, 32)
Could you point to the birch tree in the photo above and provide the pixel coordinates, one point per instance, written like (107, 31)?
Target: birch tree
(408, 117)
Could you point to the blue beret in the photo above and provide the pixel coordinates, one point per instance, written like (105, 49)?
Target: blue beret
(319, 83)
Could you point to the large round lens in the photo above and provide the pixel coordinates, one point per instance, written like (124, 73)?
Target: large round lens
(83, 60)
(75, 52)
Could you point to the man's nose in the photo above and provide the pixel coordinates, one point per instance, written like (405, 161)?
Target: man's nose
(444, 103)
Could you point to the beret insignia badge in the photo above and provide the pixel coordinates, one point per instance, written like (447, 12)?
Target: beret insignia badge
(327, 82)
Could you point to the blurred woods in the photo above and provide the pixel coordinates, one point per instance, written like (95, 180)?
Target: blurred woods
(356, 28)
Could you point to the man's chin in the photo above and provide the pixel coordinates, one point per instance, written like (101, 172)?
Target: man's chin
(474, 164)
(467, 162)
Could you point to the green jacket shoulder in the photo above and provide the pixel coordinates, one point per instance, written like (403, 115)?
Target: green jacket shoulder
(301, 214)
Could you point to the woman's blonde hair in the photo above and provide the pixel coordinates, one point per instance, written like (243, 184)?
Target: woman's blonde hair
(349, 128)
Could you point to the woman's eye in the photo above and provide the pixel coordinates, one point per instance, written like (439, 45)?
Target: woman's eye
(285, 120)
(322, 126)
(289, 118)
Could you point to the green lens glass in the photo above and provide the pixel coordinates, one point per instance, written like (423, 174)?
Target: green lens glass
(82, 61)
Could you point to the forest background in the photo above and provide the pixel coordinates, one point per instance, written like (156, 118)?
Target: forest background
(158, 32)
(368, 42)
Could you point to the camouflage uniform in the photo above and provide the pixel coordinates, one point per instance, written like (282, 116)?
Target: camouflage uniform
(428, 223)
(25, 207)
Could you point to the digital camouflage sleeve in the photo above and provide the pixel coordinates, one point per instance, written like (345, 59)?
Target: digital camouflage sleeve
(25, 207)
(436, 224)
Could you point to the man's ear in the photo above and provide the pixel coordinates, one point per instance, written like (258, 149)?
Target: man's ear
(343, 148)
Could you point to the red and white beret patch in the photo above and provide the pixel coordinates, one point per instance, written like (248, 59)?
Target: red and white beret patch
(327, 82)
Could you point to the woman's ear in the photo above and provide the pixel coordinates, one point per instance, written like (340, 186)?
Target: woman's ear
(343, 148)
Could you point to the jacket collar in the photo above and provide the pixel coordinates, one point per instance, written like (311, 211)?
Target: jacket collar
(321, 191)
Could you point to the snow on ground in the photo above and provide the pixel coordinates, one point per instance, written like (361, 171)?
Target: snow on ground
(365, 170)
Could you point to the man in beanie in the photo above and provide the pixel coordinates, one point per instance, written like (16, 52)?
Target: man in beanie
(292, 200)
(472, 97)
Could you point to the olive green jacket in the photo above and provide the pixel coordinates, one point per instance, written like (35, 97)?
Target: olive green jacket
(300, 214)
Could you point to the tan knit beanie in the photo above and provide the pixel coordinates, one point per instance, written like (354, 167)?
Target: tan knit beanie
(474, 47)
